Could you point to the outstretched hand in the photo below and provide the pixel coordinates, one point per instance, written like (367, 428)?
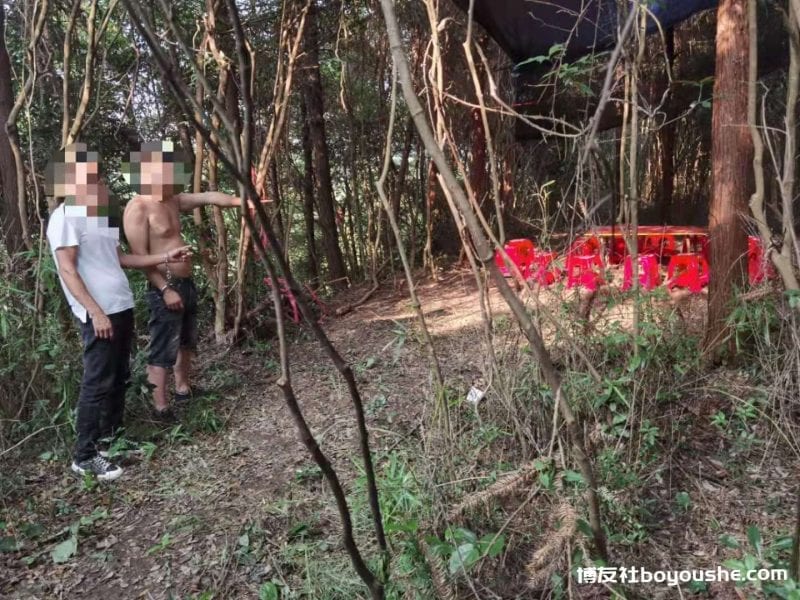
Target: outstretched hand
(181, 254)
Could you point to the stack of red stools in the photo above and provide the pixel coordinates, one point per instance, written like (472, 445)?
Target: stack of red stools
(584, 270)
(689, 271)
(521, 252)
(661, 246)
(546, 272)
(649, 274)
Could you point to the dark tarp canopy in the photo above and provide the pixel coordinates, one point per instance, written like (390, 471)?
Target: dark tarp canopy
(529, 28)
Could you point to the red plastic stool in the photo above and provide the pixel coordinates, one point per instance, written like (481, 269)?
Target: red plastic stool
(687, 271)
(662, 246)
(521, 252)
(585, 271)
(545, 271)
(585, 245)
(649, 274)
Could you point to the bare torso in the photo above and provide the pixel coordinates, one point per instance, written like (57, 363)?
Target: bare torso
(164, 231)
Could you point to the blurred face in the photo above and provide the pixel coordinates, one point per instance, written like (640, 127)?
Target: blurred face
(156, 174)
(77, 180)
(157, 171)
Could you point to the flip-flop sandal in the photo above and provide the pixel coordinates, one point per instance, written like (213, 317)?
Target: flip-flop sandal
(166, 416)
(194, 392)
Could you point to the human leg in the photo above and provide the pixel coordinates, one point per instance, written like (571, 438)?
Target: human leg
(165, 331)
(97, 385)
(188, 340)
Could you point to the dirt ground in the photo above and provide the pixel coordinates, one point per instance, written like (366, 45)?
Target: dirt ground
(180, 523)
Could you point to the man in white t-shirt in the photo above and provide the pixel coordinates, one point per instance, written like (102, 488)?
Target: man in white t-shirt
(84, 237)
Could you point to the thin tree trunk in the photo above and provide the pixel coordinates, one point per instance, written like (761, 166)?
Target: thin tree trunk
(732, 156)
(308, 200)
(10, 224)
(398, 238)
(200, 222)
(666, 141)
(277, 204)
(315, 111)
(783, 259)
(430, 201)
(10, 122)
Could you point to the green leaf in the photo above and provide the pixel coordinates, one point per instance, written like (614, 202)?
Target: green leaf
(97, 515)
(166, 539)
(492, 544)
(34, 530)
(9, 544)
(794, 298)
(461, 535)
(754, 537)
(410, 526)
(464, 557)
(299, 530)
(268, 591)
(733, 565)
(585, 528)
(782, 543)
(698, 587)
(729, 541)
(534, 59)
(750, 562)
(573, 476)
(65, 550)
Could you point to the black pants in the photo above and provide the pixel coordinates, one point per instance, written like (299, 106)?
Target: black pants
(106, 371)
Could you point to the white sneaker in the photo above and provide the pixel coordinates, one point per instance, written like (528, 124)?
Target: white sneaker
(99, 466)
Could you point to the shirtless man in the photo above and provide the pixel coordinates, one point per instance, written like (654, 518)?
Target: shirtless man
(152, 225)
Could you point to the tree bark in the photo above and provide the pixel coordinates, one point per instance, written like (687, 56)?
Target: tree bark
(315, 111)
(666, 140)
(308, 200)
(732, 158)
(10, 225)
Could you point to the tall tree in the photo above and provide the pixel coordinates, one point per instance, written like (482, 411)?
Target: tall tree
(666, 136)
(732, 159)
(10, 225)
(315, 117)
(308, 200)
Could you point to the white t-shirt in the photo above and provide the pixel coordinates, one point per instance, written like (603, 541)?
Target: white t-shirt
(98, 262)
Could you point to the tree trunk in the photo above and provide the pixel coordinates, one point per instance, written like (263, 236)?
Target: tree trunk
(10, 225)
(308, 200)
(732, 158)
(478, 174)
(666, 141)
(277, 206)
(315, 111)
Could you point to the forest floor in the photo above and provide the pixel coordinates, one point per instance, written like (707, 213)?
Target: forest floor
(231, 500)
